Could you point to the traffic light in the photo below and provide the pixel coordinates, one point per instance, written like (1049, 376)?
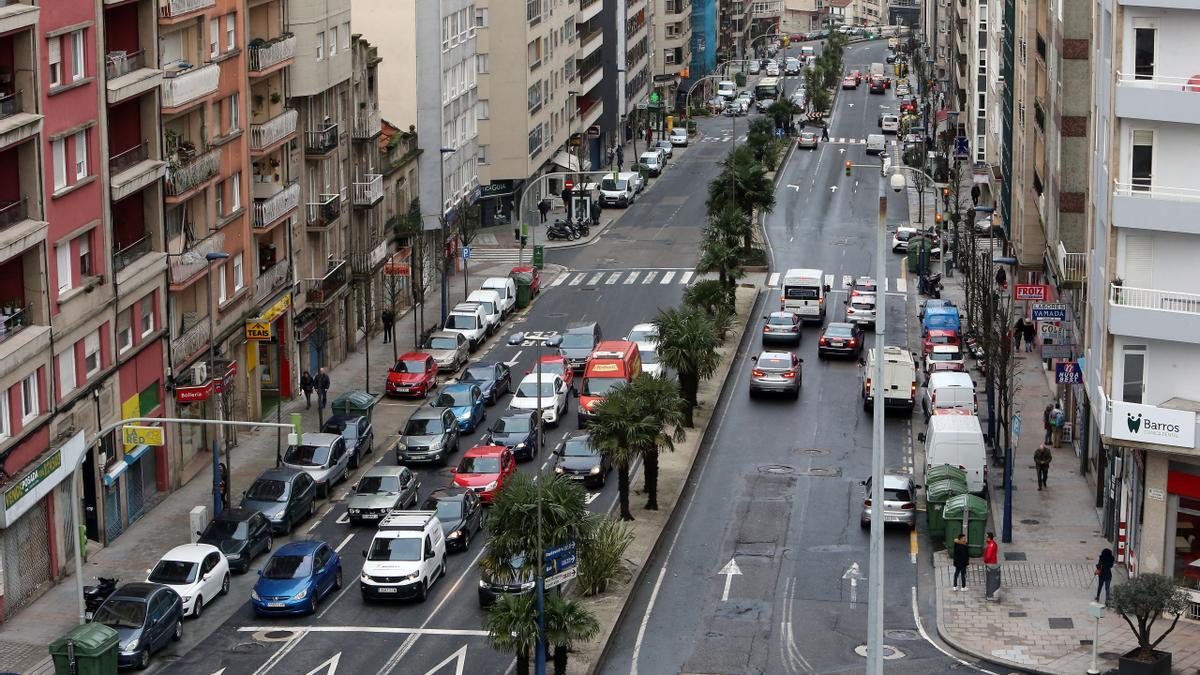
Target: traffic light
(848, 165)
(937, 219)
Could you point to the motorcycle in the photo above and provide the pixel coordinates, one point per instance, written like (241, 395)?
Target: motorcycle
(94, 596)
(583, 226)
(561, 230)
(931, 285)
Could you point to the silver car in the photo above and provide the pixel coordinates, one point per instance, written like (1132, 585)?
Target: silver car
(861, 310)
(381, 490)
(430, 435)
(323, 457)
(781, 327)
(776, 372)
(448, 349)
(899, 500)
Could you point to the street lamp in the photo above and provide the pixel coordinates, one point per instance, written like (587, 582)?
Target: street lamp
(209, 259)
(442, 219)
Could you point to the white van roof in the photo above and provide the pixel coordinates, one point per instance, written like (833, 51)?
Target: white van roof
(957, 424)
(498, 282)
(412, 521)
(950, 379)
(893, 354)
(803, 273)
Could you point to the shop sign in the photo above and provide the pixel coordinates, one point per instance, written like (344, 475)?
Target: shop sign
(258, 330)
(193, 393)
(1151, 424)
(397, 269)
(32, 479)
(1052, 331)
(1048, 311)
(1068, 372)
(276, 310)
(498, 188)
(27, 490)
(140, 435)
(1057, 351)
(1034, 292)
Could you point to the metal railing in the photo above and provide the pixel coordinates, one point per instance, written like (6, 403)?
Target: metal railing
(182, 87)
(10, 104)
(272, 131)
(1151, 191)
(322, 290)
(368, 124)
(1188, 84)
(184, 177)
(191, 340)
(263, 55)
(191, 262)
(1073, 266)
(370, 191)
(12, 212)
(270, 279)
(10, 324)
(117, 64)
(267, 211)
(1150, 298)
(325, 211)
(321, 141)
(127, 158)
(131, 252)
(173, 8)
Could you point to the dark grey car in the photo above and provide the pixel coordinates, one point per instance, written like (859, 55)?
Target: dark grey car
(776, 372)
(781, 327)
(381, 490)
(146, 618)
(285, 496)
(430, 435)
(578, 342)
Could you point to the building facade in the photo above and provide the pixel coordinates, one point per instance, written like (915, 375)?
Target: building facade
(672, 53)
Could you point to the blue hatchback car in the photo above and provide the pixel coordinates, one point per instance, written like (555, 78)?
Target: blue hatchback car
(296, 578)
(466, 402)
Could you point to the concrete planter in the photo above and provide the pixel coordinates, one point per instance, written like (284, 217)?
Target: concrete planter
(1127, 665)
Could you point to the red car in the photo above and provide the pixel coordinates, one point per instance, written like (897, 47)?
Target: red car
(484, 468)
(857, 76)
(939, 337)
(415, 374)
(536, 286)
(556, 364)
(908, 105)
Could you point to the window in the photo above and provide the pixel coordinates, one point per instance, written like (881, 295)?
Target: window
(535, 140)
(235, 191)
(214, 37)
(346, 35)
(481, 17)
(54, 47)
(230, 32)
(333, 41)
(534, 50)
(66, 372)
(81, 155)
(483, 154)
(982, 63)
(482, 111)
(237, 272)
(533, 11)
(63, 264)
(59, 150)
(219, 198)
(78, 56)
(1141, 170)
(85, 255)
(235, 113)
(1133, 385)
(146, 314)
(223, 285)
(5, 428)
(1143, 51)
(445, 33)
(124, 331)
(320, 46)
(535, 97)
(481, 63)
(29, 398)
(91, 354)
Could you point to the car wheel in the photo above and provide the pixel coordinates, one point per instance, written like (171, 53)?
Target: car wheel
(225, 585)
(143, 658)
(177, 634)
(198, 608)
(423, 593)
(751, 393)
(270, 543)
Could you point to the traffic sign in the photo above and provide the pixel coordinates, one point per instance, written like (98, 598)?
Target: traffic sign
(560, 578)
(1049, 311)
(1030, 292)
(559, 559)
(961, 149)
(466, 252)
(1068, 372)
(593, 131)
(138, 435)
(1016, 425)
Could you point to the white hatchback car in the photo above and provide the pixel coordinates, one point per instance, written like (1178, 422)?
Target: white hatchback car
(197, 572)
(645, 336)
(554, 393)
(679, 137)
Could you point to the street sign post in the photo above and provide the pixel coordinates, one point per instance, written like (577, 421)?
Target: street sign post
(466, 252)
(961, 150)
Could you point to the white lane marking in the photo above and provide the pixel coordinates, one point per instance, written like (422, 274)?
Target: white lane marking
(787, 646)
(686, 276)
(773, 281)
(649, 278)
(666, 279)
(921, 630)
(329, 667)
(283, 651)
(343, 519)
(612, 278)
(558, 280)
(577, 279)
(459, 657)
(320, 518)
(395, 630)
(591, 497)
(847, 281)
(632, 278)
(345, 541)
(886, 283)
(829, 280)
(595, 279)
(730, 570)
(902, 285)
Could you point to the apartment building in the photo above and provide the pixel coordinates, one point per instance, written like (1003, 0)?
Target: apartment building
(369, 239)
(634, 48)
(704, 38)
(1143, 327)
(800, 16)
(672, 40)
(398, 154)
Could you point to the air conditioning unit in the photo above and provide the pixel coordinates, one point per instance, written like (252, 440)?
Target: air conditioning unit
(200, 373)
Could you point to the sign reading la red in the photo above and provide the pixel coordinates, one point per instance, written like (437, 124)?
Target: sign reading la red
(1149, 424)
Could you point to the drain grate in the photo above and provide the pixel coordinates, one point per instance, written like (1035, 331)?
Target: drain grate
(777, 469)
(900, 634)
(1030, 521)
(890, 653)
(1061, 622)
(1014, 556)
(822, 472)
(812, 451)
(556, 315)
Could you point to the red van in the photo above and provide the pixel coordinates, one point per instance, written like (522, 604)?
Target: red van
(611, 363)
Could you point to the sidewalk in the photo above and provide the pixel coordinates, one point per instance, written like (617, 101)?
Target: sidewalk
(23, 638)
(1041, 621)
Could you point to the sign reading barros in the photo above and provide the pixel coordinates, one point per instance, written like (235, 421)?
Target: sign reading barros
(1150, 424)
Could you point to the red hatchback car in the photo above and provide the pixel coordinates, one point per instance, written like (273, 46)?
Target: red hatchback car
(556, 364)
(937, 338)
(536, 285)
(415, 374)
(483, 469)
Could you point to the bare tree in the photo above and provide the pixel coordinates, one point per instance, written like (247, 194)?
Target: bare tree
(466, 226)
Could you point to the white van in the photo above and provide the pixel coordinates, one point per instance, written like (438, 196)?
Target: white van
(949, 390)
(899, 379)
(803, 293)
(957, 440)
(616, 191)
(407, 554)
(506, 288)
(726, 89)
(652, 162)
(635, 179)
(877, 70)
(468, 319)
(876, 144)
(489, 300)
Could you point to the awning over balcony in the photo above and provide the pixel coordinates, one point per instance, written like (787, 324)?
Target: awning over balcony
(568, 161)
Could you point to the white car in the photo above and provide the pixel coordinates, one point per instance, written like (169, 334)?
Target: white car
(643, 332)
(772, 69)
(553, 393)
(901, 237)
(754, 68)
(667, 147)
(197, 572)
(635, 179)
(679, 137)
(764, 103)
(860, 309)
(890, 124)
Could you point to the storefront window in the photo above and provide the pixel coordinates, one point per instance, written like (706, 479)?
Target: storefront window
(1187, 543)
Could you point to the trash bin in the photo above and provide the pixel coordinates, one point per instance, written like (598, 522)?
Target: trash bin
(977, 511)
(539, 256)
(936, 495)
(92, 646)
(524, 289)
(356, 403)
(944, 471)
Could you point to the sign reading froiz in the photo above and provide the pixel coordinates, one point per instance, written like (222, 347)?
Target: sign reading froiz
(1149, 424)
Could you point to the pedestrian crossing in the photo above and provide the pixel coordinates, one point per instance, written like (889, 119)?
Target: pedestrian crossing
(508, 256)
(638, 277)
(722, 139)
(899, 286)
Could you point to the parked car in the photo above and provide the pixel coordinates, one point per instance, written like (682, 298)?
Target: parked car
(667, 147)
(324, 457)
(381, 490)
(679, 137)
(849, 82)
(489, 300)
(652, 163)
(755, 68)
(938, 336)
(494, 379)
(241, 534)
(484, 468)
(776, 372)
(296, 578)
(197, 572)
(284, 495)
(430, 435)
(460, 512)
(146, 618)
(899, 501)
(576, 459)
(467, 404)
(414, 374)
(357, 432)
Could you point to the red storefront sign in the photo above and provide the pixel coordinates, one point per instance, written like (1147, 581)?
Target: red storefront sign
(1035, 292)
(202, 392)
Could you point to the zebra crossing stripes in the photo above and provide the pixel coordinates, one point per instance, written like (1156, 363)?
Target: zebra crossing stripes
(649, 278)
(632, 278)
(666, 278)
(498, 255)
(901, 284)
(596, 279)
(686, 276)
(612, 278)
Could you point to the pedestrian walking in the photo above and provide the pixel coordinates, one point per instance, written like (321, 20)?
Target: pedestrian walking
(825, 133)
(1030, 331)
(306, 385)
(1018, 333)
(544, 209)
(1057, 419)
(566, 197)
(1046, 422)
(962, 557)
(1041, 460)
(1001, 277)
(991, 563)
(1104, 573)
(389, 318)
(322, 383)
(620, 158)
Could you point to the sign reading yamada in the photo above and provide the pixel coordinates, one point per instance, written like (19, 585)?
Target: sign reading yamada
(1149, 424)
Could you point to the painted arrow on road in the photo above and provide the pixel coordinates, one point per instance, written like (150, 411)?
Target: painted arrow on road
(730, 570)
(458, 658)
(853, 575)
(329, 667)
(794, 187)
(833, 188)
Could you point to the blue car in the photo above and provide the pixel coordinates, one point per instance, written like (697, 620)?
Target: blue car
(296, 578)
(493, 378)
(466, 402)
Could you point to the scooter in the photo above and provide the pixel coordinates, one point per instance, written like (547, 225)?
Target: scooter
(583, 226)
(561, 230)
(94, 596)
(931, 285)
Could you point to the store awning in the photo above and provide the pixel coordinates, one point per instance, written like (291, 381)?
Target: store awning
(567, 161)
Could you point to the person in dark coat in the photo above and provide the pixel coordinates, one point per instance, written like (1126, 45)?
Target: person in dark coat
(544, 208)
(1030, 331)
(306, 385)
(566, 197)
(1104, 573)
(389, 321)
(322, 383)
(1018, 333)
(962, 558)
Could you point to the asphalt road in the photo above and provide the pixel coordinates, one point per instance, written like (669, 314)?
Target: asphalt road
(778, 488)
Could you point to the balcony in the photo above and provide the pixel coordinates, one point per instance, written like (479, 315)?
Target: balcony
(367, 124)
(1072, 267)
(589, 42)
(182, 87)
(270, 209)
(590, 78)
(270, 280)
(16, 15)
(126, 255)
(176, 9)
(189, 175)
(1146, 206)
(127, 75)
(132, 170)
(368, 193)
(268, 56)
(319, 292)
(1154, 314)
(275, 130)
(1158, 98)
(18, 232)
(188, 265)
(589, 111)
(324, 213)
(588, 9)
(365, 263)
(322, 141)
(191, 339)
(21, 339)
(16, 125)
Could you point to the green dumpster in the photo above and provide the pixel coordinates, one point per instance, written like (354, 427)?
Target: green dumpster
(524, 283)
(92, 647)
(539, 256)
(936, 494)
(356, 403)
(944, 471)
(977, 512)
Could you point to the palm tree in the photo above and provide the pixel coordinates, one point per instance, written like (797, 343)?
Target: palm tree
(567, 622)
(715, 300)
(687, 344)
(660, 399)
(513, 521)
(618, 422)
(782, 111)
(512, 627)
(742, 183)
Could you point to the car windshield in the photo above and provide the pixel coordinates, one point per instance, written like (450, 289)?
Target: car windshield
(551, 368)
(462, 322)
(611, 185)
(267, 490)
(307, 455)
(490, 464)
(173, 572)
(227, 529)
(773, 363)
(287, 567)
(445, 342)
(480, 374)
(600, 386)
(781, 321)
(578, 447)
(423, 426)
(449, 510)
(842, 331)
(450, 399)
(941, 340)
(578, 341)
(896, 495)
(649, 356)
(121, 613)
(512, 425)
(378, 484)
(395, 548)
(944, 356)
(530, 390)
(409, 366)
(801, 292)
(647, 335)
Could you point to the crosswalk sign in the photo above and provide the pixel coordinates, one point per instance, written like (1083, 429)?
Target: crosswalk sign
(960, 147)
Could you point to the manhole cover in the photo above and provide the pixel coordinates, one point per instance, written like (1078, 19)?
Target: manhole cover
(822, 471)
(246, 647)
(1030, 521)
(776, 469)
(556, 315)
(900, 634)
(890, 653)
(812, 451)
(1016, 556)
